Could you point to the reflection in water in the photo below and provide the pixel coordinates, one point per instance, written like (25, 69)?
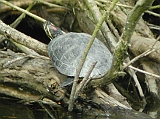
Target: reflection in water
(15, 109)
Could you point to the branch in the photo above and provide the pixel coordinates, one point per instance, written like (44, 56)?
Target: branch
(22, 10)
(121, 50)
(14, 25)
(23, 39)
(145, 72)
(78, 70)
(143, 45)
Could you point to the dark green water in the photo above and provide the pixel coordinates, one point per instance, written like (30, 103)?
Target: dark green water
(16, 109)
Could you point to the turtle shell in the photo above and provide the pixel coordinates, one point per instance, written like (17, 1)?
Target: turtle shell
(66, 52)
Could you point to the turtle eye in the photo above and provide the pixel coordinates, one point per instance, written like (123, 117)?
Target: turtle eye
(51, 30)
(48, 28)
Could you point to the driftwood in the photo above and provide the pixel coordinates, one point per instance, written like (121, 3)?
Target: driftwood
(34, 78)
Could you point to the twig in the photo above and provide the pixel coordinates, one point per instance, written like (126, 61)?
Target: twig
(126, 6)
(20, 58)
(131, 7)
(21, 38)
(155, 7)
(132, 19)
(151, 74)
(142, 55)
(47, 110)
(137, 84)
(138, 57)
(22, 10)
(14, 24)
(153, 26)
(104, 30)
(115, 31)
(13, 61)
(18, 20)
(155, 42)
(85, 81)
(78, 70)
(52, 5)
(132, 73)
(152, 13)
(49, 102)
(118, 4)
(158, 38)
(123, 44)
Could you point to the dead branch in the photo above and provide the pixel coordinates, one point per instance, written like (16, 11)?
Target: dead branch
(23, 39)
(141, 44)
(38, 74)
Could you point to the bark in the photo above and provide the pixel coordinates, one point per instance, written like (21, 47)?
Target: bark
(23, 39)
(34, 78)
(141, 44)
(26, 72)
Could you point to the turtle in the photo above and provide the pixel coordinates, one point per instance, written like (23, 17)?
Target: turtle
(66, 50)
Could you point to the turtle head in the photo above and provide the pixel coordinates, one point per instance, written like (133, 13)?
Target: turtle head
(51, 30)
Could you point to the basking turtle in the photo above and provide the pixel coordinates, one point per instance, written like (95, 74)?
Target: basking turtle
(66, 50)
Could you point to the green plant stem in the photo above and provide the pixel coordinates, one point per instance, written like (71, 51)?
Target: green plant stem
(24, 11)
(155, 7)
(14, 24)
(121, 50)
(51, 5)
(78, 70)
(19, 19)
